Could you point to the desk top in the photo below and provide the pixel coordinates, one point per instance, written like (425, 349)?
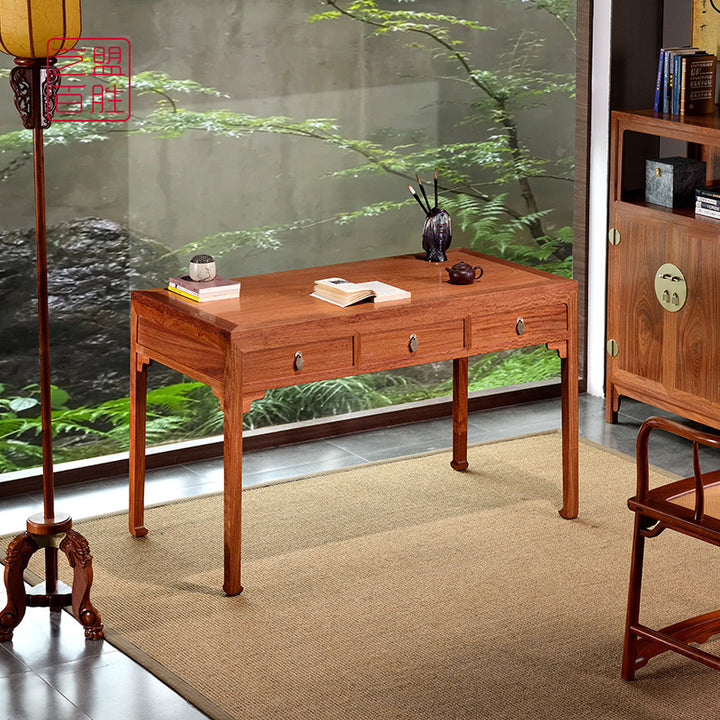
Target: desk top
(284, 298)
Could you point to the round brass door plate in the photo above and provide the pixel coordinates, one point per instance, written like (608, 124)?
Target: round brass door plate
(670, 287)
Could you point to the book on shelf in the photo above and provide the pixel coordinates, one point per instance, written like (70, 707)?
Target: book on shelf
(708, 193)
(697, 84)
(677, 76)
(707, 201)
(679, 91)
(219, 288)
(664, 81)
(667, 60)
(343, 293)
(706, 212)
(659, 82)
(707, 204)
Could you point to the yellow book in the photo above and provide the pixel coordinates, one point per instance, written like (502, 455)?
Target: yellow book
(177, 291)
(195, 298)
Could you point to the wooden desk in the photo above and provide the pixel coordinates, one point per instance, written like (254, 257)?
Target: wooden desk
(241, 348)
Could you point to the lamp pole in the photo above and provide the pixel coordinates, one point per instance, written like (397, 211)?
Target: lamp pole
(35, 82)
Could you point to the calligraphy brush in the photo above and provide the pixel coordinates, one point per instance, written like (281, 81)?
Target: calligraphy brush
(416, 196)
(436, 187)
(422, 189)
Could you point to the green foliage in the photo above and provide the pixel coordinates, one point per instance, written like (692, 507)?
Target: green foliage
(563, 10)
(86, 431)
(491, 232)
(510, 368)
(481, 171)
(189, 410)
(329, 397)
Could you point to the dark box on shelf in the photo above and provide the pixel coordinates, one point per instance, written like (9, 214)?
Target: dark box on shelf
(671, 181)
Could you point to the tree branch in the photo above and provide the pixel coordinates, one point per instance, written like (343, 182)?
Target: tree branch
(501, 112)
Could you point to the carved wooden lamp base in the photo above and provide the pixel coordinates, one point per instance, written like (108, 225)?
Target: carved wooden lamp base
(49, 534)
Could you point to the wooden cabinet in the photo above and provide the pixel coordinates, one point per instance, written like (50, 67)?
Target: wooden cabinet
(663, 346)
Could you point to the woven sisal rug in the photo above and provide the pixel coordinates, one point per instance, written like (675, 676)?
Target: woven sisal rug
(407, 590)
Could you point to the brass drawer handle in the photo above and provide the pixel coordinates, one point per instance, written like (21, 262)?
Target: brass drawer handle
(413, 344)
(299, 362)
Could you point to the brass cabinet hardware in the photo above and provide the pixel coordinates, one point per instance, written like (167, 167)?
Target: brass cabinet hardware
(612, 348)
(614, 236)
(670, 287)
(299, 362)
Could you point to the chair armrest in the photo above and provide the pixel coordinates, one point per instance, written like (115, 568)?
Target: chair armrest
(697, 437)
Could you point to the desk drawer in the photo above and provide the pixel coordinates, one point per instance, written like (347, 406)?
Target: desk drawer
(412, 345)
(301, 362)
(519, 329)
(198, 356)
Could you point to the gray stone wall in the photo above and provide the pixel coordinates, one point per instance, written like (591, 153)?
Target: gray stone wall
(93, 264)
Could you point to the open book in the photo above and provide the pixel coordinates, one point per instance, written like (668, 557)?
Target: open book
(343, 293)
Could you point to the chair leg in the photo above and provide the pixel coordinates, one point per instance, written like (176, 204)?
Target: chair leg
(633, 607)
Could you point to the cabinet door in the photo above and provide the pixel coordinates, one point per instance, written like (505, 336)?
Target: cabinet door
(694, 356)
(635, 319)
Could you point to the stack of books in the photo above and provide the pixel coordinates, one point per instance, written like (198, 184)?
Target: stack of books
(219, 288)
(343, 293)
(707, 201)
(685, 81)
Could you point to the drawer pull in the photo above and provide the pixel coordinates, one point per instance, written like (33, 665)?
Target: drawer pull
(520, 326)
(413, 344)
(299, 362)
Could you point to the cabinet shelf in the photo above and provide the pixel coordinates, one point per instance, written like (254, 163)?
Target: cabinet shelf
(703, 129)
(680, 214)
(636, 137)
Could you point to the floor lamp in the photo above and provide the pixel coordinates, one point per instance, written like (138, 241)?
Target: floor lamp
(26, 28)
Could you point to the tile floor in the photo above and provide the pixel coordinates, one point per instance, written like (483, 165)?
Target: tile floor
(50, 672)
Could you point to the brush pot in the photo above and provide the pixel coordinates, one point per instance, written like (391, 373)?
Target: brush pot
(437, 235)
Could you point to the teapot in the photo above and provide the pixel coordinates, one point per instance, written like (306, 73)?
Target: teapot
(463, 274)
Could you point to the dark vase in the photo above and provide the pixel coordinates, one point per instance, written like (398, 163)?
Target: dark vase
(437, 235)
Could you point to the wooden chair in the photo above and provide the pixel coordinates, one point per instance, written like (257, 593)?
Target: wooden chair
(690, 506)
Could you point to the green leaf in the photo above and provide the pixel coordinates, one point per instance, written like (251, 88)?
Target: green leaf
(58, 397)
(20, 404)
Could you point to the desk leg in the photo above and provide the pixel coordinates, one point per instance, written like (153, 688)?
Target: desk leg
(460, 413)
(232, 499)
(138, 405)
(570, 429)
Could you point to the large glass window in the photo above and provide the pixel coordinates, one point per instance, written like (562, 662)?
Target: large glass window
(278, 135)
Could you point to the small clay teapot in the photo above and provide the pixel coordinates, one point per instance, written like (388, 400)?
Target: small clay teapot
(463, 274)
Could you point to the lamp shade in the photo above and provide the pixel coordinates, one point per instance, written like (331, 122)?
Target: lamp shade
(26, 26)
